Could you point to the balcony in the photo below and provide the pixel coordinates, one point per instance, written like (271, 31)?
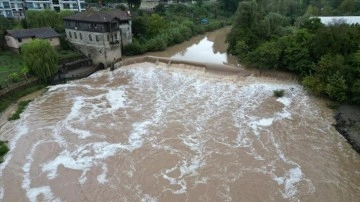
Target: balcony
(114, 42)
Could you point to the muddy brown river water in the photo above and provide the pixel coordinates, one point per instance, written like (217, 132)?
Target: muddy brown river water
(148, 132)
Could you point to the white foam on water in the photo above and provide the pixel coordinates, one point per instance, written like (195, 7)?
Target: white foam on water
(285, 100)
(171, 92)
(289, 181)
(21, 130)
(148, 198)
(102, 177)
(116, 98)
(33, 192)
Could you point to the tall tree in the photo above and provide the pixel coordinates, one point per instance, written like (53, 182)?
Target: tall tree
(133, 4)
(47, 18)
(4, 25)
(41, 58)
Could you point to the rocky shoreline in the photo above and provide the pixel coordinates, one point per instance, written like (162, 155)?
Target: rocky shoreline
(348, 124)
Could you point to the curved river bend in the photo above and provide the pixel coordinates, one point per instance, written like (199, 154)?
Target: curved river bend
(148, 132)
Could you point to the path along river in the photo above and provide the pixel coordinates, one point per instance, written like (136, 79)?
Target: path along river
(148, 132)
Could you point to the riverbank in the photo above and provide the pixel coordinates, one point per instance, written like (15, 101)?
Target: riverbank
(348, 124)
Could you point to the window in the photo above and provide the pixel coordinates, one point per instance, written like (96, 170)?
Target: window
(108, 37)
(80, 35)
(97, 37)
(6, 4)
(90, 37)
(50, 39)
(75, 35)
(19, 40)
(66, 6)
(70, 35)
(29, 4)
(115, 37)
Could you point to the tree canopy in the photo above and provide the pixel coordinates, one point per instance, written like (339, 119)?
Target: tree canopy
(41, 58)
(327, 58)
(47, 18)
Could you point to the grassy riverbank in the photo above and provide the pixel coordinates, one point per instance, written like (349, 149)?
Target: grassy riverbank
(12, 97)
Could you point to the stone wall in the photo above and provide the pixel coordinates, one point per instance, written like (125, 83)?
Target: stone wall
(100, 47)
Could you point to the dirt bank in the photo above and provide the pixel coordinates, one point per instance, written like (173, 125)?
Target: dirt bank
(348, 124)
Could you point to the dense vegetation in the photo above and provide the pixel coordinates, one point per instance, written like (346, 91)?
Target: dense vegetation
(46, 18)
(327, 58)
(175, 24)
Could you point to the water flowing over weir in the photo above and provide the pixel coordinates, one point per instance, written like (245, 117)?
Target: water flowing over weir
(159, 132)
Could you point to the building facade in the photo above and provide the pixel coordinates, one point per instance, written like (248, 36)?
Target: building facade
(17, 37)
(57, 5)
(12, 8)
(99, 35)
(16, 8)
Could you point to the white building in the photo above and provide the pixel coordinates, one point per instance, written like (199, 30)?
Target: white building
(330, 20)
(16, 38)
(57, 5)
(12, 8)
(99, 34)
(16, 8)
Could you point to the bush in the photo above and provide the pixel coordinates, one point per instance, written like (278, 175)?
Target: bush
(158, 43)
(314, 84)
(266, 56)
(279, 93)
(185, 32)
(3, 148)
(133, 48)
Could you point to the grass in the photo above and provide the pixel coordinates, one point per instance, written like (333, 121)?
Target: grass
(67, 54)
(10, 98)
(21, 107)
(10, 62)
(3, 150)
(279, 93)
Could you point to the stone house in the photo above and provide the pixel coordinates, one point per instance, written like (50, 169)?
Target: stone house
(16, 38)
(99, 34)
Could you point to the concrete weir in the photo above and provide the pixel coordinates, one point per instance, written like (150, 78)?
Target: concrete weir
(208, 67)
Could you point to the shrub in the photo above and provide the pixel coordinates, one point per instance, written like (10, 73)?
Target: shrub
(279, 93)
(3, 148)
(158, 43)
(133, 48)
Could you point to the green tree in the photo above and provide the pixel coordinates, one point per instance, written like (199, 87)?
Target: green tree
(155, 24)
(41, 58)
(47, 18)
(355, 91)
(266, 56)
(247, 26)
(336, 87)
(133, 4)
(4, 25)
(296, 55)
(314, 84)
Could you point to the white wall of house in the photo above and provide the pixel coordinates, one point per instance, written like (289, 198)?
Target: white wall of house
(97, 46)
(126, 33)
(16, 43)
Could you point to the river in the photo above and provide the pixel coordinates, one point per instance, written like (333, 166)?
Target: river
(148, 132)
